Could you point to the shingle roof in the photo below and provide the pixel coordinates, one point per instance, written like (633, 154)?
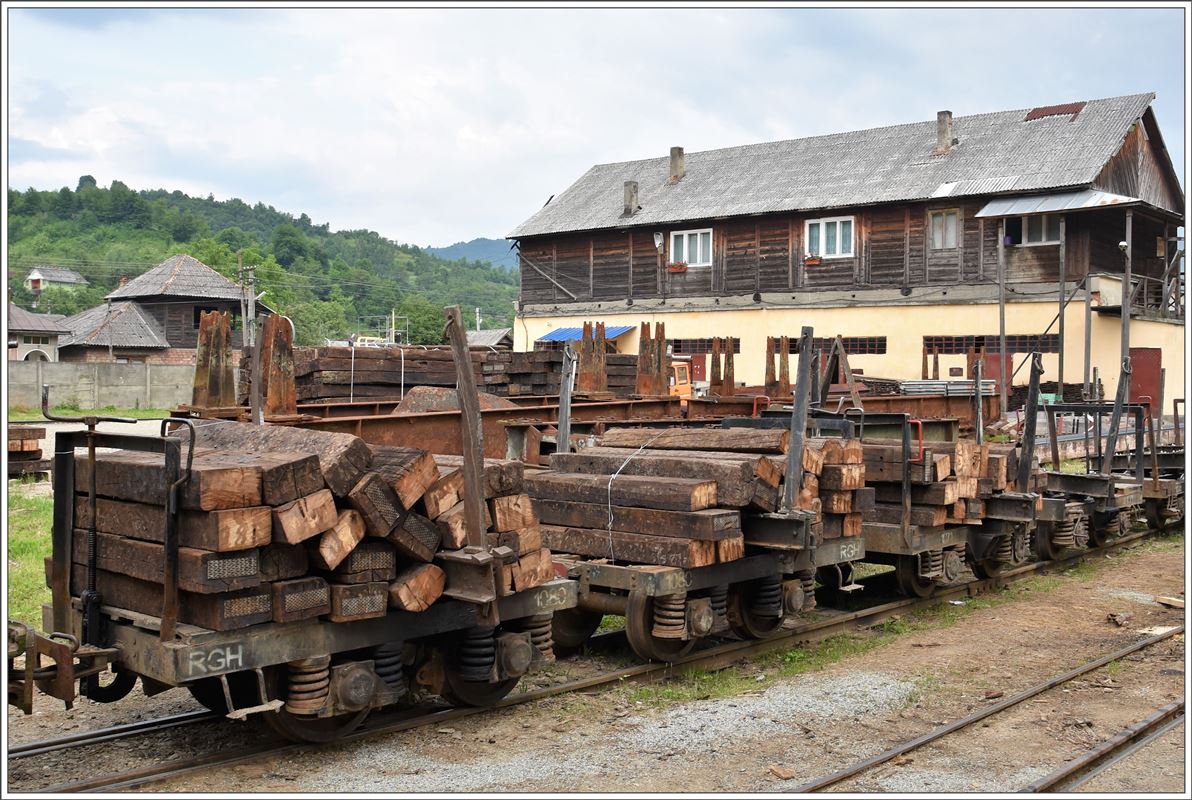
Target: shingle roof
(125, 325)
(179, 276)
(22, 321)
(59, 274)
(998, 152)
(488, 338)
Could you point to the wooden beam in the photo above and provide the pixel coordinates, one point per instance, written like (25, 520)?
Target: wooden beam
(471, 430)
(668, 494)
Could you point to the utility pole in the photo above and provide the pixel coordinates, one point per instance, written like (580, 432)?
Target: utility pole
(477, 317)
(250, 321)
(393, 325)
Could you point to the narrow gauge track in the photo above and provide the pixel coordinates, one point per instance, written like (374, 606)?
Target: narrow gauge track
(716, 657)
(1078, 771)
(961, 724)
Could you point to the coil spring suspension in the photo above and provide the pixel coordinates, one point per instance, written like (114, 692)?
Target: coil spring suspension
(766, 598)
(1113, 525)
(477, 653)
(307, 684)
(670, 616)
(387, 664)
(1004, 552)
(931, 563)
(539, 628)
(718, 596)
(807, 578)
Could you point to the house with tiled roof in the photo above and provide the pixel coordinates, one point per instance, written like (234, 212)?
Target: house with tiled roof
(34, 337)
(929, 246)
(154, 318)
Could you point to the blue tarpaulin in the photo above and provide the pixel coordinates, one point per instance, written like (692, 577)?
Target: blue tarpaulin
(575, 334)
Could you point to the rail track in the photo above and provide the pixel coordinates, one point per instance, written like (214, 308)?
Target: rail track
(1053, 780)
(715, 657)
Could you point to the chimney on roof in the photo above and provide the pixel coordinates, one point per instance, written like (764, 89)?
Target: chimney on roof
(631, 204)
(943, 132)
(678, 165)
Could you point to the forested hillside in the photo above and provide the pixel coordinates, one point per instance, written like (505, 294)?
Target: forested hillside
(330, 283)
(495, 251)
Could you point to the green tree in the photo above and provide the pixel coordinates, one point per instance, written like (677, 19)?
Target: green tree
(86, 182)
(62, 206)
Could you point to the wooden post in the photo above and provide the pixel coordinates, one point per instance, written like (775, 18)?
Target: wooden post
(277, 367)
(784, 370)
(661, 362)
(471, 430)
(714, 380)
(645, 361)
(1127, 294)
(730, 379)
(770, 379)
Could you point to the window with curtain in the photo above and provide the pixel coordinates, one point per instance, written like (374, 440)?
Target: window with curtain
(692, 247)
(830, 237)
(943, 229)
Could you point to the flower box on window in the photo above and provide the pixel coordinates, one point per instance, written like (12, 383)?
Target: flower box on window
(677, 266)
(811, 260)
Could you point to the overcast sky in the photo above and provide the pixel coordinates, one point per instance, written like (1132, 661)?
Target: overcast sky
(432, 127)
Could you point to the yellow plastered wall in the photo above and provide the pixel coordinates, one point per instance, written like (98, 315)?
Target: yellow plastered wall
(904, 327)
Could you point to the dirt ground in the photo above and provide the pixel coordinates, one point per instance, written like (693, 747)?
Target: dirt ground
(787, 731)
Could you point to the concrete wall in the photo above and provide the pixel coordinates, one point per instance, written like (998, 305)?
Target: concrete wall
(99, 385)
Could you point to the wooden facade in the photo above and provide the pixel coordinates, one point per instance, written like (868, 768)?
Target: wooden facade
(891, 250)
(179, 319)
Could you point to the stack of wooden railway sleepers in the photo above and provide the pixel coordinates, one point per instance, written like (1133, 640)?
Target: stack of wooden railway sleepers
(538, 373)
(948, 480)
(339, 373)
(665, 497)
(834, 487)
(24, 450)
(281, 524)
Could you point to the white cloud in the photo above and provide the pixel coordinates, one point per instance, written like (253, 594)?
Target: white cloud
(433, 126)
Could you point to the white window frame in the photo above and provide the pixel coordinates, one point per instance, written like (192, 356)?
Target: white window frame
(1044, 243)
(696, 232)
(822, 221)
(944, 212)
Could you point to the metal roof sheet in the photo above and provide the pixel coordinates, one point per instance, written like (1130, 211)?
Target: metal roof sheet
(997, 152)
(1052, 203)
(22, 321)
(575, 334)
(58, 274)
(488, 338)
(179, 276)
(119, 325)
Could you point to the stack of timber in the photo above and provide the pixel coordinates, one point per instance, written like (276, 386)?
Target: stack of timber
(948, 480)
(833, 485)
(332, 374)
(24, 450)
(671, 497)
(278, 524)
(539, 373)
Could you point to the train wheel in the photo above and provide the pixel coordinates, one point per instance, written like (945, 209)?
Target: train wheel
(1154, 514)
(1100, 534)
(910, 583)
(571, 627)
(460, 692)
(639, 627)
(304, 727)
(745, 621)
(1045, 549)
(989, 568)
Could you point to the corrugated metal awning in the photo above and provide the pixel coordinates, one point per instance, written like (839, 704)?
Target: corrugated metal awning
(575, 334)
(1053, 203)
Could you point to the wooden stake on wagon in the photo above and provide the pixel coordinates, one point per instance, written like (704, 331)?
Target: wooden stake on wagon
(471, 432)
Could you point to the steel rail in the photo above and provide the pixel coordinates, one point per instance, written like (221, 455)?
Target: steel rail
(715, 657)
(964, 722)
(107, 734)
(1083, 768)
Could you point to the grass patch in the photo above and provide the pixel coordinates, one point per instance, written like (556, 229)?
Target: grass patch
(611, 622)
(30, 520)
(22, 414)
(696, 685)
(1075, 466)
